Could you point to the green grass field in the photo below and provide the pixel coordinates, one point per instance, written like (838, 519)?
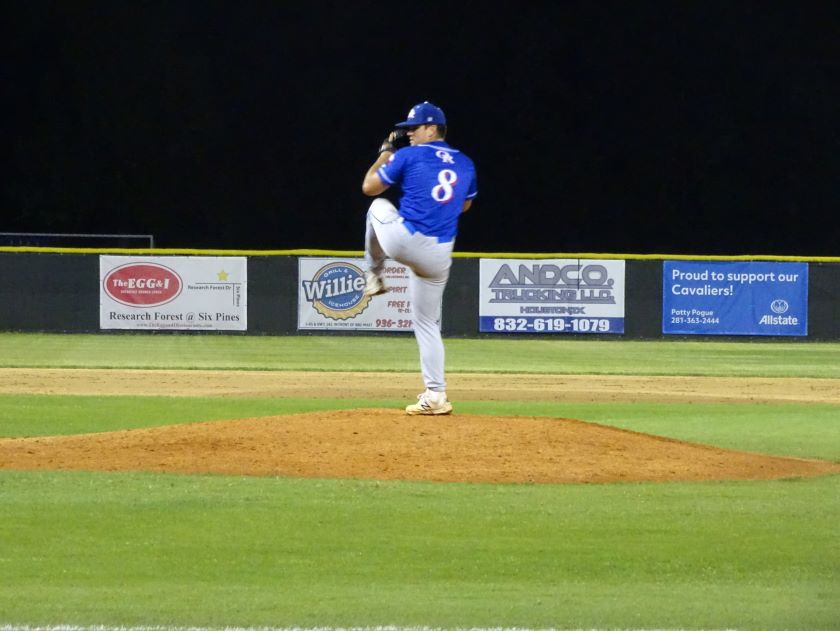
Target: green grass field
(399, 353)
(146, 549)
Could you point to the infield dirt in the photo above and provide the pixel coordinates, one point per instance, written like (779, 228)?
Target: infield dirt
(386, 444)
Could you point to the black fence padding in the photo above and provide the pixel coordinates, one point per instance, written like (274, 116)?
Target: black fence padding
(57, 292)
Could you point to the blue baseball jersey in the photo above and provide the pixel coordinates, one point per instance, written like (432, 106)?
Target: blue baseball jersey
(436, 180)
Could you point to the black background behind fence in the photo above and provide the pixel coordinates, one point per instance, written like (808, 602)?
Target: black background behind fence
(56, 292)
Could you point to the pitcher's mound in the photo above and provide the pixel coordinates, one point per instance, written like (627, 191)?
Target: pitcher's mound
(388, 445)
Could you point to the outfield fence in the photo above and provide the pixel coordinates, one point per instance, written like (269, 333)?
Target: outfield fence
(61, 290)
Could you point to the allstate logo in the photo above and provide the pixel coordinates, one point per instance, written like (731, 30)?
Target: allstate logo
(337, 291)
(779, 306)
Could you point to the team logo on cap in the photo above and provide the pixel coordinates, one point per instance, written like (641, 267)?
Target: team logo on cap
(337, 291)
(412, 113)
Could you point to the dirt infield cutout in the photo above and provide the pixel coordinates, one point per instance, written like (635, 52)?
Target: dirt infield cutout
(383, 444)
(374, 385)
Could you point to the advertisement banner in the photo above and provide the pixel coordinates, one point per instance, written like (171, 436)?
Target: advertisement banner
(551, 296)
(331, 296)
(734, 298)
(195, 293)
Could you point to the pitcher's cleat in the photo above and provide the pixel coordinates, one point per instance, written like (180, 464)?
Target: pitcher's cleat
(430, 403)
(374, 285)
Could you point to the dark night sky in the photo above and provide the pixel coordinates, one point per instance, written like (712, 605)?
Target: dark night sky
(636, 127)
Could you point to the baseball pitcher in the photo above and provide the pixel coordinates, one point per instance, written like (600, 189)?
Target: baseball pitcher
(438, 183)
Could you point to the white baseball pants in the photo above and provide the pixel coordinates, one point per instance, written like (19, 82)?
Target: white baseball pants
(429, 263)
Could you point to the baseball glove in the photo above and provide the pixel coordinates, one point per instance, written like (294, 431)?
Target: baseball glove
(400, 139)
(396, 140)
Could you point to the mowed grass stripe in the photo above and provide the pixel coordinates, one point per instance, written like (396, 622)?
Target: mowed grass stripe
(398, 353)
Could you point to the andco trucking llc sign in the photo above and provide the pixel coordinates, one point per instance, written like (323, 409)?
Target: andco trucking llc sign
(735, 298)
(551, 296)
(195, 293)
(331, 296)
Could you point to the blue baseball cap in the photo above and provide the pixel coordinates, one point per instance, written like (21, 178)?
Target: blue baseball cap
(424, 113)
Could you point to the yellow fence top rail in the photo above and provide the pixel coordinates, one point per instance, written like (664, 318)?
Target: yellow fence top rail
(466, 255)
